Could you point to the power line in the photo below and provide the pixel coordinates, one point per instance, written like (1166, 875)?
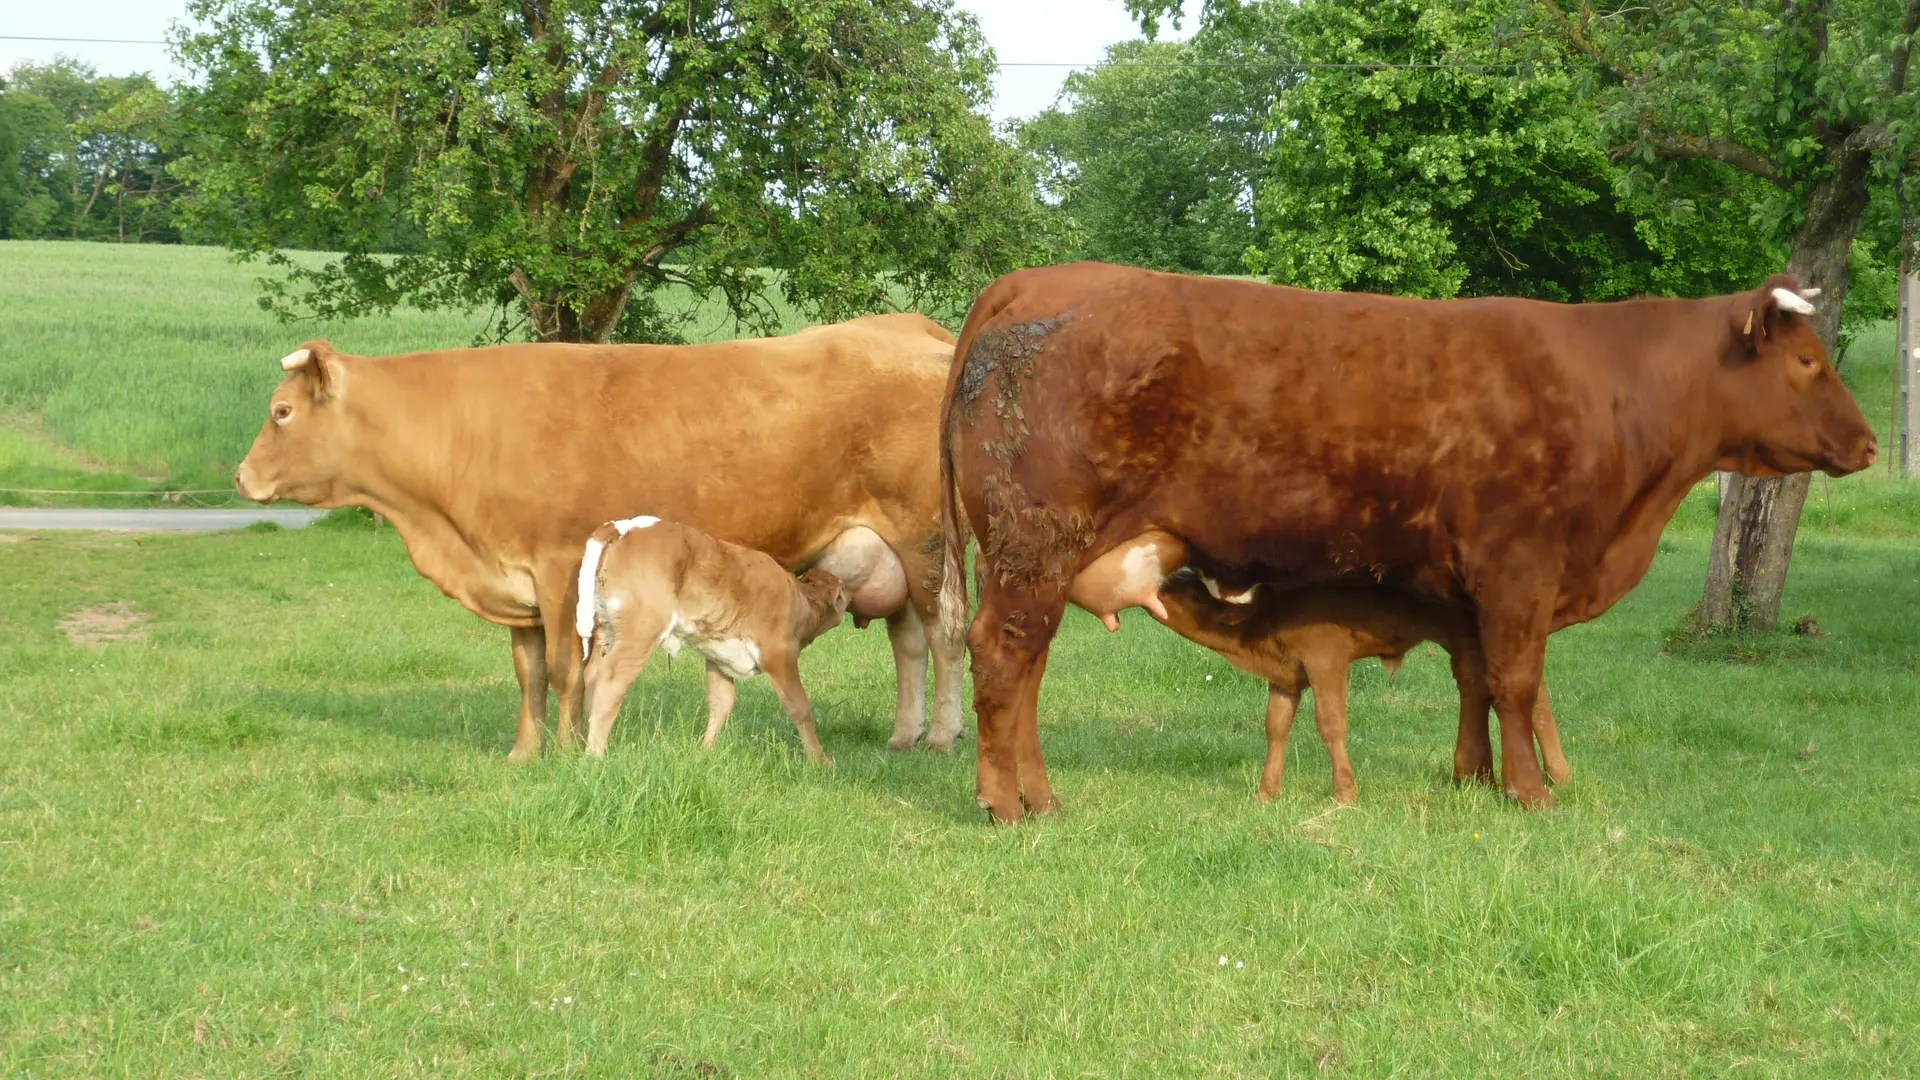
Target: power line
(85, 40)
(1271, 65)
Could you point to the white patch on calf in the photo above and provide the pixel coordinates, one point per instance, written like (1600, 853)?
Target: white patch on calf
(296, 358)
(1213, 589)
(1791, 301)
(738, 657)
(583, 612)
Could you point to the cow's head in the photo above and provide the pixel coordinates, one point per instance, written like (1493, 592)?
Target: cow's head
(826, 599)
(1788, 411)
(298, 453)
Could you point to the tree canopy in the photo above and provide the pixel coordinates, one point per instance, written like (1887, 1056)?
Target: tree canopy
(84, 156)
(567, 159)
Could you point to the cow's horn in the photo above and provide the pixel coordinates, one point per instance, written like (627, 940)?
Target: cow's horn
(296, 358)
(1790, 301)
(1808, 294)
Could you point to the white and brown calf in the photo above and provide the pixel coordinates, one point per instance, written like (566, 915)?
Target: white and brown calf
(646, 584)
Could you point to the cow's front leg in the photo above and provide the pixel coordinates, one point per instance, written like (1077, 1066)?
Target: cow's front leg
(530, 667)
(1513, 636)
(565, 664)
(908, 634)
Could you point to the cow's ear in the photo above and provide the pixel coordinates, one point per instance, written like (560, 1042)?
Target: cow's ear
(320, 363)
(1759, 314)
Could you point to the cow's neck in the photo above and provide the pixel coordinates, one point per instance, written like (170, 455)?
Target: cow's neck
(408, 481)
(1664, 448)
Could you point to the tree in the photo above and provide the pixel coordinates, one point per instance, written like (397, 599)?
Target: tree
(87, 157)
(1154, 153)
(1423, 153)
(569, 159)
(1809, 97)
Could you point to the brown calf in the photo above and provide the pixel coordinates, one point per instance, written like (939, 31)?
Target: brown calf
(1309, 638)
(647, 584)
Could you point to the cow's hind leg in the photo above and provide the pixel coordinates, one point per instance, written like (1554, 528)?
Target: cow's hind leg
(949, 682)
(907, 632)
(1008, 641)
(720, 695)
(1282, 705)
(530, 668)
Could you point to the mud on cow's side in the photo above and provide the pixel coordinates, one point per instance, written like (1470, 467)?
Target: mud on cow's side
(496, 465)
(1512, 458)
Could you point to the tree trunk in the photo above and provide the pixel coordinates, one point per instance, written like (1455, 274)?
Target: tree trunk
(1759, 518)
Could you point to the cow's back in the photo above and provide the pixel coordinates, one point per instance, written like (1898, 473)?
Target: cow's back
(776, 444)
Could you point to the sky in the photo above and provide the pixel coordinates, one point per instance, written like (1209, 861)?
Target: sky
(1022, 32)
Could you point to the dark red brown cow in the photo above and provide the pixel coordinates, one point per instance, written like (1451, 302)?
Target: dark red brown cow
(1514, 456)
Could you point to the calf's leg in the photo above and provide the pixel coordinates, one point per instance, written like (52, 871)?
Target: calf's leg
(784, 671)
(1473, 747)
(530, 667)
(720, 694)
(1329, 679)
(907, 632)
(1282, 705)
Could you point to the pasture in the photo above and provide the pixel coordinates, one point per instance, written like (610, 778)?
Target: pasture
(255, 817)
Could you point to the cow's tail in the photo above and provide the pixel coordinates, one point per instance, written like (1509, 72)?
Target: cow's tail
(584, 613)
(953, 525)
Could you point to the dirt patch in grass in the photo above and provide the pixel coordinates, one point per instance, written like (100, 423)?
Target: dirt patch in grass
(105, 624)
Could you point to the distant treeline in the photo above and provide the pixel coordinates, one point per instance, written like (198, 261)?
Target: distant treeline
(85, 156)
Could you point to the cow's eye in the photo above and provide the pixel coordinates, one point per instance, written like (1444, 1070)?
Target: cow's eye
(281, 411)
(1809, 363)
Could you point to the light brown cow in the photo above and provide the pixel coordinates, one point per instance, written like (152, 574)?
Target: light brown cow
(1310, 637)
(646, 584)
(496, 464)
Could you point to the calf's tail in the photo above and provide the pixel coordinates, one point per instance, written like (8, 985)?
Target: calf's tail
(583, 614)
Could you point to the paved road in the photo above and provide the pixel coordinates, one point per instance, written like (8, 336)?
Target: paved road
(153, 520)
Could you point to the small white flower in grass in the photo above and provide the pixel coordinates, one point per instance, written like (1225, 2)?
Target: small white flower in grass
(566, 1001)
(463, 963)
(403, 969)
(1223, 961)
(1209, 678)
(1239, 963)
(403, 988)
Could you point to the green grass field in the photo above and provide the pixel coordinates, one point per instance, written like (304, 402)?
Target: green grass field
(271, 831)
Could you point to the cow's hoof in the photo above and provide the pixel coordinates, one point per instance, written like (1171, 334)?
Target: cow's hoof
(940, 746)
(900, 744)
(1539, 800)
(520, 755)
(1477, 778)
(1047, 806)
(1011, 814)
(1559, 773)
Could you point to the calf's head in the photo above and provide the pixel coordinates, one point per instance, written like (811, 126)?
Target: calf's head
(299, 453)
(1786, 408)
(825, 599)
